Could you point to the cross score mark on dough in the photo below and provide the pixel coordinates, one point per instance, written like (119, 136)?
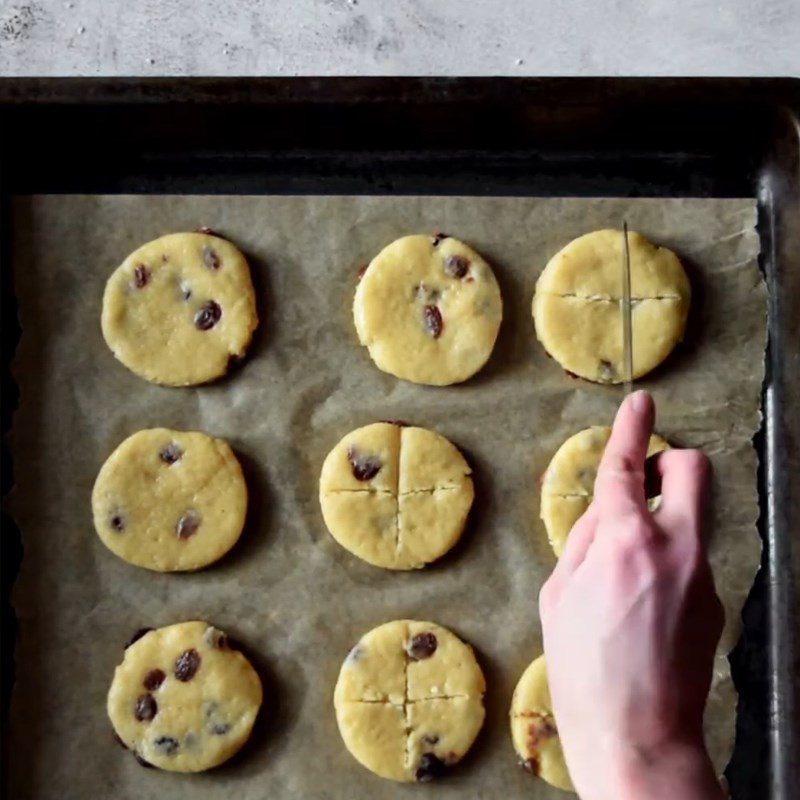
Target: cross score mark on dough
(408, 702)
(398, 495)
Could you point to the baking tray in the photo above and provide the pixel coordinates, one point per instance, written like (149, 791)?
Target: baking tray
(547, 137)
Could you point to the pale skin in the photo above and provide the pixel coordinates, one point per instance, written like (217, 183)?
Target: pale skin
(631, 620)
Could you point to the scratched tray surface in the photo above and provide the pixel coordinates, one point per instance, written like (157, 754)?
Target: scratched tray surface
(467, 136)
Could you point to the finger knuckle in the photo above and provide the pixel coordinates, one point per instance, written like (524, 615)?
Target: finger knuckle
(638, 554)
(623, 463)
(649, 566)
(632, 534)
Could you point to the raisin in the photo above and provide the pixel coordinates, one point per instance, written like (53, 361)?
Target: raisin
(187, 664)
(154, 679)
(207, 316)
(210, 707)
(118, 523)
(361, 271)
(421, 645)
(220, 728)
(430, 767)
(171, 453)
(438, 236)
(167, 745)
(136, 636)
(432, 320)
(365, 468)
(211, 259)
(142, 762)
(141, 276)
(531, 765)
(146, 708)
(186, 292)
(539, 729)
(187, 525)
(456, 266)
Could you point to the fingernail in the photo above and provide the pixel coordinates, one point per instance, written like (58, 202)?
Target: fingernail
(640, 401)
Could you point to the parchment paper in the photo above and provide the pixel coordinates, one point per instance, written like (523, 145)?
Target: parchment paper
(288, 592)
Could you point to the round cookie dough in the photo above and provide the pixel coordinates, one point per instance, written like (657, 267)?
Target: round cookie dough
(409, 700)
(182, 699)
(568, 481)
(533, 728)
(396, 496)
(577, 306)
(180, 308)
(170, 500)
(428, 309)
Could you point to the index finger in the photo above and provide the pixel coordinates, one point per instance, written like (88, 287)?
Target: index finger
(619, 487)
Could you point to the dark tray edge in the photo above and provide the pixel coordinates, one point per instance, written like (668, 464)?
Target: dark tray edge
(779, 200)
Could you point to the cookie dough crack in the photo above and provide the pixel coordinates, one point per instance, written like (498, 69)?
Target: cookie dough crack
(431, 490)
(438, 697)
(397, 544)
(406, 707)
(381, 701)
(603, 298)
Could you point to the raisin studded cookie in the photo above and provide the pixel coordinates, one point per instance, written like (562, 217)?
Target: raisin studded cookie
(428, 309)
(577, 306)
(409, 700)
(568, 481)
(180, 308)
(533, 728)
(182, 699)
(396, 496)
(170, 500)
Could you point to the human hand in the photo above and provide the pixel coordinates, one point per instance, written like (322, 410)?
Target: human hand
(631, 621)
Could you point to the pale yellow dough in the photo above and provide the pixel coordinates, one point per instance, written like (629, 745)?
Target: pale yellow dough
(577, 306)
(410, 503)
(409, 700)
(170, 500)
(533, 728)
(568, 481)
(418, 272)
(156, 314)
(182, 699)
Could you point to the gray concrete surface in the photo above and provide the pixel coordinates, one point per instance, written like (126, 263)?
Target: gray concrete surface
(394, 37)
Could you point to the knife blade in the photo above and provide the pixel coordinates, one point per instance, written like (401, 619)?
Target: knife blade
(627, 324)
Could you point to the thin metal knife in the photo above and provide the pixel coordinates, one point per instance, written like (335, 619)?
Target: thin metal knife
(627, 324)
